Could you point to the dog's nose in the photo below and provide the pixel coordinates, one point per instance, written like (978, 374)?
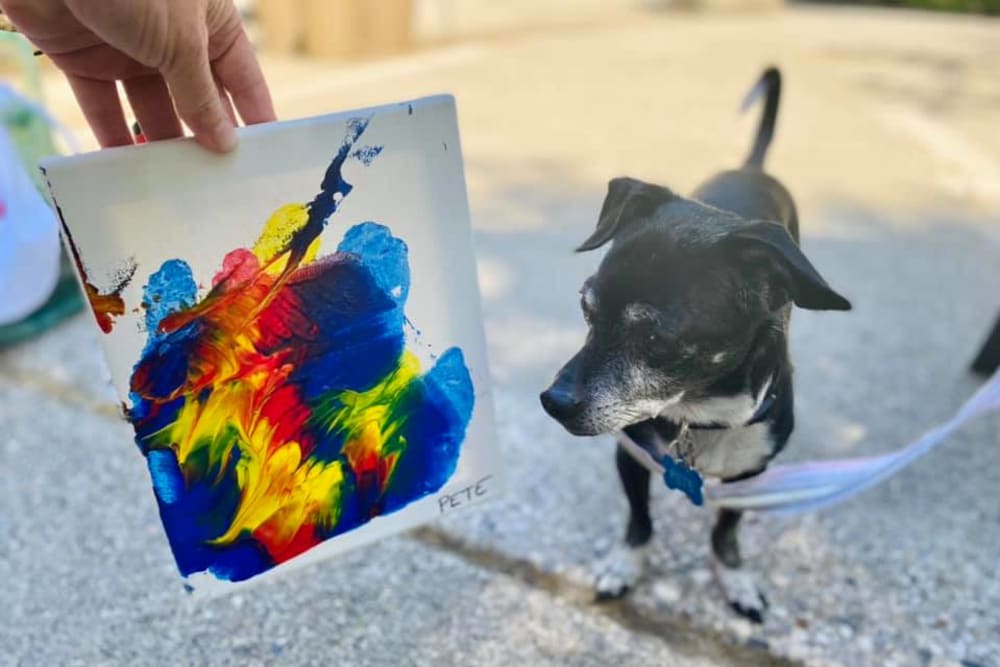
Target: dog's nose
(560, 404)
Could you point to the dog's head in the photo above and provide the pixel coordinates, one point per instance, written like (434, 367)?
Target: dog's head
(675, 305)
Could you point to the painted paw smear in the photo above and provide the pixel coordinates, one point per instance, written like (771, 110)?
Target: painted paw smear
(282, 407)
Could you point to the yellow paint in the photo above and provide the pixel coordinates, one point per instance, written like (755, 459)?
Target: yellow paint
(277, 487)
(278, 232)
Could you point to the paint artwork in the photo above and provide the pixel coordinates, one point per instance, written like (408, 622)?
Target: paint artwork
(286, 393)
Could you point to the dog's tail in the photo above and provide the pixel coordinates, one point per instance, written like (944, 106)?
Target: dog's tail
(769, 85)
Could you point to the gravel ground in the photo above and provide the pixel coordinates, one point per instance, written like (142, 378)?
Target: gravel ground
(886, 137)
(100, 588)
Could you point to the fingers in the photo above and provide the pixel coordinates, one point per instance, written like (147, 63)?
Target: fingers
(197, 100)
(227, 104)
(239, 72)
(150, 101)
(102, 108)
(204, 86)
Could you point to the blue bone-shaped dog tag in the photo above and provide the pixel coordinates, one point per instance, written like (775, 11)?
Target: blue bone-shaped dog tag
(678, 476)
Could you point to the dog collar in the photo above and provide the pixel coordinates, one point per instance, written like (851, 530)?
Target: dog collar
(764, 403)
(764, 409)
(678, 475)
(759, 415)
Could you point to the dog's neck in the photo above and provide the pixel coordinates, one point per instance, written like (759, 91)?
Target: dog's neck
(743, 395)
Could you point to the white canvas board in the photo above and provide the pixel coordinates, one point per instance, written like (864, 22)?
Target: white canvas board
(293, 394)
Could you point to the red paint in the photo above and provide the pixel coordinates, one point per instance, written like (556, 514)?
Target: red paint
(304, 539)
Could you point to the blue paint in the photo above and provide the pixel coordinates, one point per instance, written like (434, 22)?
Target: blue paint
(439, 407)
(149, 418)
(169, 290)
(382, 255)
(333, 189)
(167, 480)
(366, 154)
(190, 529)
(166, 361)
(360, 333)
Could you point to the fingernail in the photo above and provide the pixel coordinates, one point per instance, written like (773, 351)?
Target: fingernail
(221, 139)
(225, 138)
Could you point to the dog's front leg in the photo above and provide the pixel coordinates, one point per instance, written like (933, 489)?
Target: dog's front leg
(621, 569)
(738, 585)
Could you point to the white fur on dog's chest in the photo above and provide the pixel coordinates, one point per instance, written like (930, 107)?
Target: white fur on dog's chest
(724, 452)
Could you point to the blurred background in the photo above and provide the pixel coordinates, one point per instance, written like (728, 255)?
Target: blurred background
(887, 136)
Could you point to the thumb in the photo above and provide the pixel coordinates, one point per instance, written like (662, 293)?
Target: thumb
(196, 98)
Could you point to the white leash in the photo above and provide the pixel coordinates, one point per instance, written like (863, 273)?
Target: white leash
(789, 489)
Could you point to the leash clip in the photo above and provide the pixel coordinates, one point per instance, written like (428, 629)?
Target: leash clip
(679, 475)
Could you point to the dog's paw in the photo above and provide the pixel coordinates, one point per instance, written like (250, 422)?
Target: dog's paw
(740, 590)
(618, 572)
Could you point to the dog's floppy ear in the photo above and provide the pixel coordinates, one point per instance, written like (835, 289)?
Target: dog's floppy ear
(769, 245)
(627, 198)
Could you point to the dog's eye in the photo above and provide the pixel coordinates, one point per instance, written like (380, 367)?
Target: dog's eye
(585, 308)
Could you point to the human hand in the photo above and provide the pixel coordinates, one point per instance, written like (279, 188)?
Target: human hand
(177, 60)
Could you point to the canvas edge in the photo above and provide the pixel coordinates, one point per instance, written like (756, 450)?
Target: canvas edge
(95, 157)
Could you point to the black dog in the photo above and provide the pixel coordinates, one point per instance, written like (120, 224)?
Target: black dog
(687, 349)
